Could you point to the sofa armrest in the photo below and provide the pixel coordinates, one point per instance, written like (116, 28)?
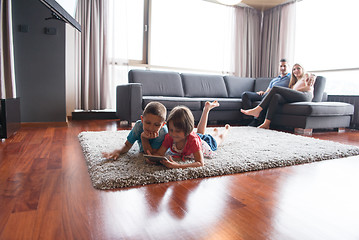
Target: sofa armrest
(325, 97)
(129, 102)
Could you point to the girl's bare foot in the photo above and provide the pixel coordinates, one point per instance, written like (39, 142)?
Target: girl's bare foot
(223, 134)
(252, 112)
(210, 105)
(215, 132)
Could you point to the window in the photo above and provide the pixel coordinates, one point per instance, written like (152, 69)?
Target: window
(183, 35)
(126, 30)
(192, 34)
(326, 41)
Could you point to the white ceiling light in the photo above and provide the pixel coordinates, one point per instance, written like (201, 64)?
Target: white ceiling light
(229, 2)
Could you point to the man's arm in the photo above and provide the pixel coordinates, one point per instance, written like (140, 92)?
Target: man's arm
(263, 92)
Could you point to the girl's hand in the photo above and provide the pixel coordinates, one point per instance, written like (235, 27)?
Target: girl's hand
(170, 163)
(307, 79)
(312, 79)
(149, 161)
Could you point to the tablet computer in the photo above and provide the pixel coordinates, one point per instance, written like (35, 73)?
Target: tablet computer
(155, 158)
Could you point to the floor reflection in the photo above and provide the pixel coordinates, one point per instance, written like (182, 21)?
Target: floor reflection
(322, 199)
(164, 208)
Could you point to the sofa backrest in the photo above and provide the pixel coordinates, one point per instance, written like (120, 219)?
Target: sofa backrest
(261, 84)
(157, 83)
(237, 85)
(200, 85)
(319, 87)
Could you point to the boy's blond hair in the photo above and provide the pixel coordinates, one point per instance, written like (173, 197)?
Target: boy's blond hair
(182, 118)
(157, 109)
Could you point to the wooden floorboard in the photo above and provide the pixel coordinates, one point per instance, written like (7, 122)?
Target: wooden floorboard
(46, 193)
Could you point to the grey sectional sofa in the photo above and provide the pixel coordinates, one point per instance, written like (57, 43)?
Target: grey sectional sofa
(193, 90)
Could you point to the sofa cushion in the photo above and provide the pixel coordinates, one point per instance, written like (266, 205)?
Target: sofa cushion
(171, 102)
(200, 85)
(157, 83)
(317, 108)
(237, 85)
(233, 104)
(195, 103)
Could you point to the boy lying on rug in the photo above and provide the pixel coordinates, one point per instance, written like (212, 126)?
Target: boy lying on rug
(184, 142)
(149, 132)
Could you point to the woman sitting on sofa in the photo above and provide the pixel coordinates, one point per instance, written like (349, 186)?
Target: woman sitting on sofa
(301, 87)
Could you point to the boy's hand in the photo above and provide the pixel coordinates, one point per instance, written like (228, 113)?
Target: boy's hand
(113, 155)
(149, 135)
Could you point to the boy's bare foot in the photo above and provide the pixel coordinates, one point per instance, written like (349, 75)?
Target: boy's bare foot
(252, 112)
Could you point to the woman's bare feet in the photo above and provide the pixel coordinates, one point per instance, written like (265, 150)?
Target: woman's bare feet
(252, 112)
(265, 124)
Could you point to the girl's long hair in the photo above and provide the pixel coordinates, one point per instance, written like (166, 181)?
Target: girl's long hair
(182, 118)
(294, 79)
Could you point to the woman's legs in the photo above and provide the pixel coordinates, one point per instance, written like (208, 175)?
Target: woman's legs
(276, 100)
(202, 125)
(276, 96)
(288, 94)
(265, 124)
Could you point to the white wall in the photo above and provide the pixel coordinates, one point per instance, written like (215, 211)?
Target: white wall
(72, 68)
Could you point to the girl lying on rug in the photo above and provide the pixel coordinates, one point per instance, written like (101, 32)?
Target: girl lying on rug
(149, 132)
(184, 142)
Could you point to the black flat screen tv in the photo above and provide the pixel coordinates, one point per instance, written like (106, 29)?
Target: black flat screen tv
(63, 10)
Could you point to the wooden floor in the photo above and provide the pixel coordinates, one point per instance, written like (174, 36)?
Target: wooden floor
(46, 193)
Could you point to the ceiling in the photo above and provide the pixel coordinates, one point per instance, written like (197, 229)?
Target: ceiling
(263, 5)
(260, 5)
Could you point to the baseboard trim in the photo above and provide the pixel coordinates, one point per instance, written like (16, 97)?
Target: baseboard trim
(93, 115)
(44, 124)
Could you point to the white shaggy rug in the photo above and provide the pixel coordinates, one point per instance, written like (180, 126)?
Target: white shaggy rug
(244, 149)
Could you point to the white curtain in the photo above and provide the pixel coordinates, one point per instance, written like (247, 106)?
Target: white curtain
(101, 71)
(278, 36)
(93, 87)
(118, 46)
(262, 39)
(7, 71)
(247, 44)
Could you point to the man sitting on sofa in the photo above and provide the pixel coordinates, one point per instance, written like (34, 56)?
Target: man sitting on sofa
(249, 97)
